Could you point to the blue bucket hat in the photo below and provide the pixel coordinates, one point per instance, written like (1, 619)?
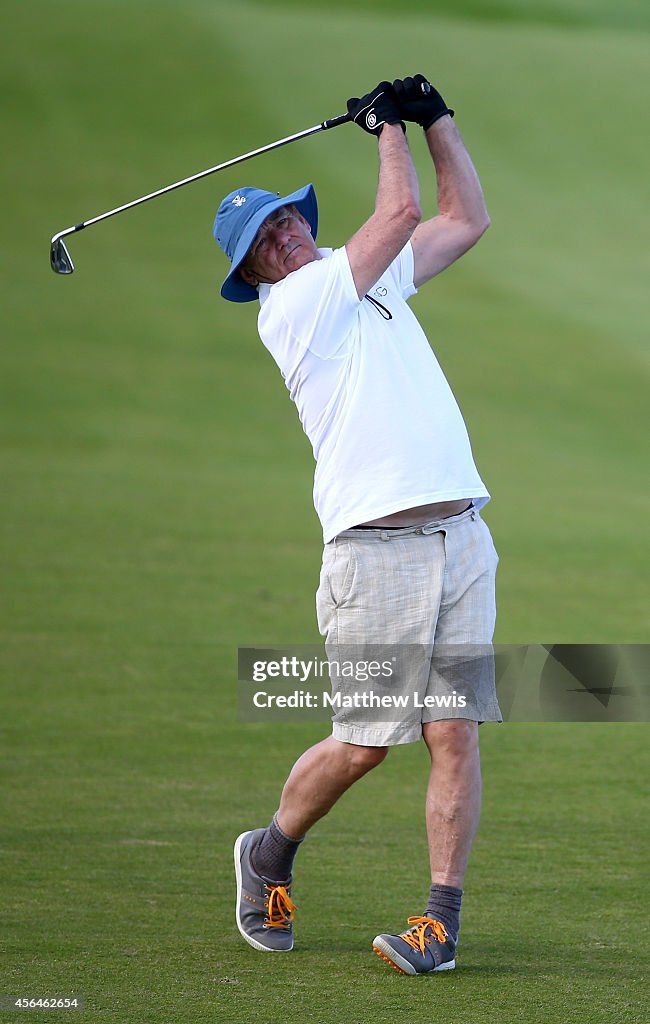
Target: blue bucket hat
(239, 218)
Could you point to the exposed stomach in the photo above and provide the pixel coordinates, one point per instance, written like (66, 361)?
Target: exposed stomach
(422, 513)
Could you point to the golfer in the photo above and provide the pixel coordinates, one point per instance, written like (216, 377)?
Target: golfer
(407, 560)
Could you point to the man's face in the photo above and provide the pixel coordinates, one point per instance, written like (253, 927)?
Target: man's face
(284, 243)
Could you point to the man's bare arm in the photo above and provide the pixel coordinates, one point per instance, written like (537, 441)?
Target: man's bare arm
(397, 212)
(462, 216)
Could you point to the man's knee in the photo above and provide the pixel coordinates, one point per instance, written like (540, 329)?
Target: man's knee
(362, 759)
(451, 737)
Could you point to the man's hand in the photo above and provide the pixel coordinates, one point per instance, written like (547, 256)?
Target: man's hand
(418, 101)
(375, 109)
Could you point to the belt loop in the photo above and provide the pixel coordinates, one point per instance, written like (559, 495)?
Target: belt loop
(384, 535)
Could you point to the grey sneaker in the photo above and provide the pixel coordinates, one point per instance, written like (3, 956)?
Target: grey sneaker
(424, 948)
(264, 909)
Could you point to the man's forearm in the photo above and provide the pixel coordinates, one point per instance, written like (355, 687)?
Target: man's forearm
(396, 215)
(460, 196)
(398, 187)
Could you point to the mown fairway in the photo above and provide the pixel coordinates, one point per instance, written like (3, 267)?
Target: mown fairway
(156, 507)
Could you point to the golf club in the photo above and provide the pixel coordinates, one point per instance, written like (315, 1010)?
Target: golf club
(60, 259)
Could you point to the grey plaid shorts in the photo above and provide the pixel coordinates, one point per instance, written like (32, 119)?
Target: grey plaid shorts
(422, 601)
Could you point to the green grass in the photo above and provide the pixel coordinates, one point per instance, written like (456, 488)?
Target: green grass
(134, 371)
(156, 507)
(124, 803)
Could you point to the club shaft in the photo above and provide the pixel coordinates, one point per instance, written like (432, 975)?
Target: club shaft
(333, 122)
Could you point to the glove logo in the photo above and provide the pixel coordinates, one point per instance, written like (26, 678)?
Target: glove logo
(239, 200)
(371, 119)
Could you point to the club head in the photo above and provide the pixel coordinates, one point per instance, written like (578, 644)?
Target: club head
(60, 258)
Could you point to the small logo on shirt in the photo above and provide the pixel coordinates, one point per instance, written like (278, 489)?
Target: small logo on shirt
(239, 200)
(381, 291)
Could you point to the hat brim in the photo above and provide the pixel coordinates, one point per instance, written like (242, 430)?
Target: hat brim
(234, 287)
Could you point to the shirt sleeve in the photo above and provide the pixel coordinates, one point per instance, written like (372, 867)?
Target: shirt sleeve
(401, 272)
(319, 305)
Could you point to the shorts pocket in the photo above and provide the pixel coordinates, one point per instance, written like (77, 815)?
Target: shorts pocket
(341, 575)
(337, 578)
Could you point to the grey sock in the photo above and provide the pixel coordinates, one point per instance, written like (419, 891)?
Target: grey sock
(273, 856)
(444, 905)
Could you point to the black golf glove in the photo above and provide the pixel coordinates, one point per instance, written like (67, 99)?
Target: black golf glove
(418, 101)
(375, 109)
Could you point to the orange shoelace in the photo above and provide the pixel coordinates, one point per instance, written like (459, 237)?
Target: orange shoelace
(417, 936)
(279, 907)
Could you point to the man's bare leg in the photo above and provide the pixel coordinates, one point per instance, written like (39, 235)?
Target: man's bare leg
(264, 856)
(453, 808)
(317, 780)
(453, 802)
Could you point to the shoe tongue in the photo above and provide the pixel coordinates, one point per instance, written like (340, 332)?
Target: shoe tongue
(274, 882)
(436, 921)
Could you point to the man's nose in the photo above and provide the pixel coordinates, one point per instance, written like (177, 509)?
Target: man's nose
(280, 236)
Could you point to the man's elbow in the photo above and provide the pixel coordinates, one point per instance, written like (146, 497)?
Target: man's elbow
(414, 213)
(476, 227)
(409, 214)
(470, 231)
(479, 226)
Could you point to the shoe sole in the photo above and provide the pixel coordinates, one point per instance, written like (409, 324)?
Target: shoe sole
(251, 941)
(399, 963)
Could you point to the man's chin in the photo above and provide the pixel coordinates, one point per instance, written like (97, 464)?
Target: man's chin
(293, 258)
(299, 258)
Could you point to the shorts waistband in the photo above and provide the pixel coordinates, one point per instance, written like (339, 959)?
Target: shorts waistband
(422, 530)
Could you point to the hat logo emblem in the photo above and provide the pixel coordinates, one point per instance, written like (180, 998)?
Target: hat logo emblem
(239, 200)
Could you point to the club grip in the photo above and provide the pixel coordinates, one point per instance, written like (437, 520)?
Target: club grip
(335, 121)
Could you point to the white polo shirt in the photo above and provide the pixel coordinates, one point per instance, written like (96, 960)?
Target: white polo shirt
(385, 428)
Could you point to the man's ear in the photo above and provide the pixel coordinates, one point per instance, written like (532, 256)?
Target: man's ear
(248, 277)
